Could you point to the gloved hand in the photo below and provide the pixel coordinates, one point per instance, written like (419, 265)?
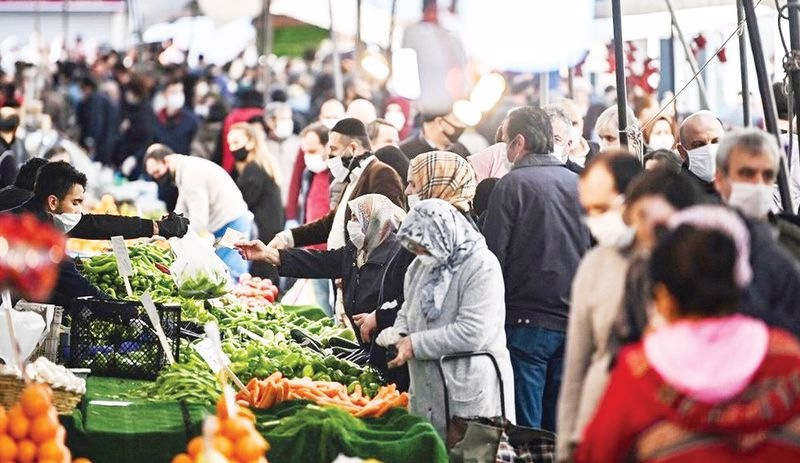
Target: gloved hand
(173, 225)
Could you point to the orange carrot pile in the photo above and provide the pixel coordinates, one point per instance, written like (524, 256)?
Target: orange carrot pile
(275, 389)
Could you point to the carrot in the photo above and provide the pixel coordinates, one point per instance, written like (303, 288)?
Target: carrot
(275, 376)
(373, 407)
(383, 409)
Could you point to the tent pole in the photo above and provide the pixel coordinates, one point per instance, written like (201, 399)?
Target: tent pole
(338, 84)
(622, 106)
(767, 98)
(743, 66)
(793, 9)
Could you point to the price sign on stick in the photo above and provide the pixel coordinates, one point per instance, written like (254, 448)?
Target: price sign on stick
(211, 351)
(123, 261)
(155, 320)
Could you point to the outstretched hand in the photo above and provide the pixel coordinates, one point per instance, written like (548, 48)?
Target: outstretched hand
(257, 250)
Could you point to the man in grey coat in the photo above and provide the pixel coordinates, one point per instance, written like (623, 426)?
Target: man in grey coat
(535, 228)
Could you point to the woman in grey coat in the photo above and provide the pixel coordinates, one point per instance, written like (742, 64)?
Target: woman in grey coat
(453, 303)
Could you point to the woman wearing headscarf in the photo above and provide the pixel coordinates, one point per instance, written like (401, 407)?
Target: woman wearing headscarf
(705, 383)
(371, 265)
(442, 175)
(453, 304)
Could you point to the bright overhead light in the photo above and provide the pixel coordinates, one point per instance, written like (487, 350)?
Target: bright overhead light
(488, 91)
(376, 65)
(405, 74)
(467, 112)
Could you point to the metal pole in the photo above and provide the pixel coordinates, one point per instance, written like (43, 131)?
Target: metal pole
(65, 24)
(267, 30)
(622, 107)
(358, 49)
(701, 85)
(571, 82)
(544, 89)
(337, 65)
(743, 66)
(794, 42)
(767, 99)
(392, 24)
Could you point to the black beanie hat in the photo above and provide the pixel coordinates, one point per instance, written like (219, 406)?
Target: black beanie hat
(351, 127)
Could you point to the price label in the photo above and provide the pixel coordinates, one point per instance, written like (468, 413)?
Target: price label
(155, 320)
(215, 359)
(121, 254)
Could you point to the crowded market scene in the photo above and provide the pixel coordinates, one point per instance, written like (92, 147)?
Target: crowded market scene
(399, 231)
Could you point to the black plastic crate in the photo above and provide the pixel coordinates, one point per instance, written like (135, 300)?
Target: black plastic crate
(115, 338)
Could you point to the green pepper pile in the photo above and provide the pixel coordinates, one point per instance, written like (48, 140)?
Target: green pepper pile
(101, 271)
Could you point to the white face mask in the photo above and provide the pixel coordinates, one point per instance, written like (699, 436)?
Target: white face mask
(609, 229)
(661, 142)
(357, 236)
(754, 200)
(175, 102)
(428, 260)
(575, 135)
(558, 150)
(338, 169)
(284, 128)
(413, 200)
(314, 163)
(703, 161)
(66, 221)
(396, 118)
(202, 111)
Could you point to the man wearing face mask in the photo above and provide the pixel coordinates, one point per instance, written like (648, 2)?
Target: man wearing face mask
(561, 137)
(534, 225)
(136, 130)
(351, 163)
(580, 150)
(699, 138)
(331, 112)
(282, 142)
(98, 120)
(176, 125)
(747, 167)
(309, 196)
(440, 132)
(57, 198)
(9, 122)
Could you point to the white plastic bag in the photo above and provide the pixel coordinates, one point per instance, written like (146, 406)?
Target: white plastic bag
(198, 271)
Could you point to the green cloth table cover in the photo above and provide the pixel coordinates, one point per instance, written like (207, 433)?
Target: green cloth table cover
(108, 429)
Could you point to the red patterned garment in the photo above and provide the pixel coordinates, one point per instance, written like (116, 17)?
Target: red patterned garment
(643, 418)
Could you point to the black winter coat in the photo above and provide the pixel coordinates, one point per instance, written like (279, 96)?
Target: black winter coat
(263, 198)
(361, 287)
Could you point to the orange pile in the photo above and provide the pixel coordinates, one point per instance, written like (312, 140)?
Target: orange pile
(30, 431)
(235, 439)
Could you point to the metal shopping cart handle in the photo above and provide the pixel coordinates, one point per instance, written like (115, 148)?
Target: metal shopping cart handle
(445, 358)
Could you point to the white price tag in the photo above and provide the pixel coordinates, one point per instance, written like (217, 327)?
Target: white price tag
(121, 253)
(216, 360)
(230, 238)
(155, 320)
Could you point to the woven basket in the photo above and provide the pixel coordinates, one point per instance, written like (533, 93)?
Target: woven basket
(11, 389)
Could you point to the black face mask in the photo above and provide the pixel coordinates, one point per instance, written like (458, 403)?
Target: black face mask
(240, 154)
(9, 124)
(457, 132)
(165, 180)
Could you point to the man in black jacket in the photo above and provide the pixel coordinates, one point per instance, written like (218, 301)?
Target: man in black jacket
(534, 225)
(699, 138)
(440, 132)
(22, 189)
(57, 197)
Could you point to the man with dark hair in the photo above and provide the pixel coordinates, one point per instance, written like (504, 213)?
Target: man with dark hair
(309, 191)
(351, 163)
(601, 187)
(176, 125)
(534, 225)
(98, 120)
(666, 159)
(22, 189)
(439, 132)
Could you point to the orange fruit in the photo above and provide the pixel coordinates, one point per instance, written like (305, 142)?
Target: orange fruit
(8, 448)
(249, 447)
(44, 427)
(195, 446)
(51, 450)
(234, 428)
(179, 458)
(18, 424)
(3, 420)
(36, 400)
(223, 445)
(26, 451)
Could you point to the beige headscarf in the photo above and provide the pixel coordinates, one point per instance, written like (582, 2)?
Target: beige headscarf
(446, 176)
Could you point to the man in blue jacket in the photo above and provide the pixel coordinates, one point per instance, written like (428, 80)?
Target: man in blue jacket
(535, 228)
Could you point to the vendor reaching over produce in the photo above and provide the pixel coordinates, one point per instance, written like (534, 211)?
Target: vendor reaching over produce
(371, 265)
(207, 195)
(453, 304)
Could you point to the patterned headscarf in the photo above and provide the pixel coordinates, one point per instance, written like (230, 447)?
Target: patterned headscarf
(450, 239)
(379, 218)
(444, 175)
